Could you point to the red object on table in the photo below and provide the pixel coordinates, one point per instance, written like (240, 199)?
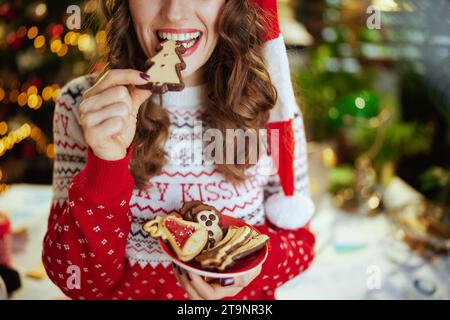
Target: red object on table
(5, 240)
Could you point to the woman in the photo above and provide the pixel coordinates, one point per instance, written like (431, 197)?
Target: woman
(123, 158)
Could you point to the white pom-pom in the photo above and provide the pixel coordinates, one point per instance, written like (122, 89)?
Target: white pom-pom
(289, 212)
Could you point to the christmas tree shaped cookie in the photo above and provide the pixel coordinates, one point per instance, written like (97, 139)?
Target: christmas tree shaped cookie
(165, 68)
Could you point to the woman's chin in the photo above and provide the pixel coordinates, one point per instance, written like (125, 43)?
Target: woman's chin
(190, 77)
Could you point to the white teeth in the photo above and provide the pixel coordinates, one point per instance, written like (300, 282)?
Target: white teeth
(188, 44)
(178, 36)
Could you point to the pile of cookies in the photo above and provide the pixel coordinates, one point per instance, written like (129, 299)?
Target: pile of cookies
(197, 236)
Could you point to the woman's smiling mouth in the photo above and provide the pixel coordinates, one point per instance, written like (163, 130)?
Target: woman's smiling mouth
(189, 38)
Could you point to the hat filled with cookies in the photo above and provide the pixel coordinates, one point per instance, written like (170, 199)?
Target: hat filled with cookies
(287, 209)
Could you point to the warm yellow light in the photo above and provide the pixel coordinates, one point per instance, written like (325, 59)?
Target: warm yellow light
(90, 6)
(27, 129)
(47, 93)
(36, 133)
(63, 50)
(50, 152)
(55, 45)
(41, 9)
(32, 32)
(386, 5)
(32, 90)
(2, 94)
(329, 157)
(56, 94)
(67, 37)
(3, 128)
(22, 99)
(8, 143)
(84, 42)
(16, 136)
(39, 102)
(39, 42)
(33, 101)
(374, 201)
(71, 38)
(100, 37)
(1, 174)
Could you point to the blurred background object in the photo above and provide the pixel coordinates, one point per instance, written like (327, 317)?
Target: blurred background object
(372, 78)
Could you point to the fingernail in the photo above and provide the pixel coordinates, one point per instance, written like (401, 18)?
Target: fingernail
(224, 282)
(144, 76)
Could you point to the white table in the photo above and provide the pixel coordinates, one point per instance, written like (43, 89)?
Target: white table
(29, 206)
(358, 258)
(355, 255)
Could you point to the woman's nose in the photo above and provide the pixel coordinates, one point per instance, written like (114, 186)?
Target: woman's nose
(175, 10)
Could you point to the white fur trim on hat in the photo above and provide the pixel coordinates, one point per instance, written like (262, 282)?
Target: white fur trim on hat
(289, 212)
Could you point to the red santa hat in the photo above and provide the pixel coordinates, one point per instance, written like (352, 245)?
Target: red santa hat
(287, 209)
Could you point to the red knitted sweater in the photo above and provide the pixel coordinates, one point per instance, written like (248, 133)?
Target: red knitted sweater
(94, 247)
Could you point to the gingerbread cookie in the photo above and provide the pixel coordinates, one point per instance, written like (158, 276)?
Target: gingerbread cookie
(234, 239)
(237, 244)
(186, 209)
(165, 68)
(207, 216)
(255, 243)
(186, 238)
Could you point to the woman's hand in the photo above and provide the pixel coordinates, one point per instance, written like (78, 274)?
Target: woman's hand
(198, 289)
(108, 112)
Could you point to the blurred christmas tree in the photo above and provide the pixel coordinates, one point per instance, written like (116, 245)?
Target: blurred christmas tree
(38, 55)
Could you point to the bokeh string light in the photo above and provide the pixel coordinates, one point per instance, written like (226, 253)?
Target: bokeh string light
(25, 131)
(35, 37)
(29, 95)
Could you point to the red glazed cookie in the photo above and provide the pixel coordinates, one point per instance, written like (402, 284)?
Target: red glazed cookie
(186, 238)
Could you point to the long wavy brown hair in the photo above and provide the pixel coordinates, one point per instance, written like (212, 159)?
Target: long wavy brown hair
(240, 90)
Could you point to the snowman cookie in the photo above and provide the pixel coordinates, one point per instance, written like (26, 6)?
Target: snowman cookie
(207, 216)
